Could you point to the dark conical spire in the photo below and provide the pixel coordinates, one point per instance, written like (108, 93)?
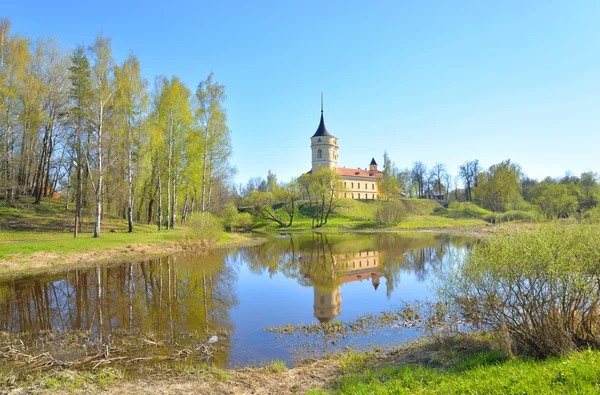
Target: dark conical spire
(373, 163)
(322, 129)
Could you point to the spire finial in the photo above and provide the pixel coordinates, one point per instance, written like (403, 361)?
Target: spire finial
(321, 102)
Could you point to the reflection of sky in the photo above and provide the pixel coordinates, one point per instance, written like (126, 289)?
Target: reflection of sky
(278, 301)
(242, 295)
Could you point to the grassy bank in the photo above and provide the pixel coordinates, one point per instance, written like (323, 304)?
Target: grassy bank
(37, 239)
(356, 215)
(459, 364)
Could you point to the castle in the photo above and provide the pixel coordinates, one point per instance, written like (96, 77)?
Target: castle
(358, 183)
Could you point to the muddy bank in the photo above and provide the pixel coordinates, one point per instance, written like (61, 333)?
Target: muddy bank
(442, 353)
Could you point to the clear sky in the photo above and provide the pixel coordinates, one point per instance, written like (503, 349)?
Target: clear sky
(435, 81)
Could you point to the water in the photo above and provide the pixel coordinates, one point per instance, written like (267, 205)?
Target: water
(236, 293)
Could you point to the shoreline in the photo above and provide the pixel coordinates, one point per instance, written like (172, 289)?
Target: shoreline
(308, 375)
(22, 266)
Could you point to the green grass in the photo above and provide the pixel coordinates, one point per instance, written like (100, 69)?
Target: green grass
(359, 215)
(28, 228)
(24, 243)
(276, 367)
(485, 373)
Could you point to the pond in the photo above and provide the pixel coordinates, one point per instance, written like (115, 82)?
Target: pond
(232, 296)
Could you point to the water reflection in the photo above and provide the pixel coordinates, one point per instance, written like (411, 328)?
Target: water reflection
(199, 293)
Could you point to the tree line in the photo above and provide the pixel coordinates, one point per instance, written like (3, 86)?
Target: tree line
(77, 123)
(502, 187)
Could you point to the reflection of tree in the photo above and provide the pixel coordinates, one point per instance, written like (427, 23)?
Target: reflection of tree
(312, 259)
(168, 295)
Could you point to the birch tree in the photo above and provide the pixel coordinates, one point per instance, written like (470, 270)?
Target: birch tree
(103, 89)
(131, 101)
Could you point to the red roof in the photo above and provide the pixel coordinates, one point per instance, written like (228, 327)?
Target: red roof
(348, 172)
(344, 171)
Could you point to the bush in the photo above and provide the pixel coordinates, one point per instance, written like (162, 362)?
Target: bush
(513, 215)
(540, 288)
(233, 220)
(592, 216)
(390, 213)
(203, 229)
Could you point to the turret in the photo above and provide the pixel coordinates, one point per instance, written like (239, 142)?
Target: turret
(324, 146)
(373, 165)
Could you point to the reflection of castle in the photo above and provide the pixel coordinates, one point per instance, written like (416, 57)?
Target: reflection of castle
(347, 268)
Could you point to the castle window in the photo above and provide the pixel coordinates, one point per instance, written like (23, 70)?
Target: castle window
(319, 154)
(352, 185)
(322, 299)
(359, 195)
(345, 195)
(358, 186)
(372, 187)
(373, 196)
(319, 140)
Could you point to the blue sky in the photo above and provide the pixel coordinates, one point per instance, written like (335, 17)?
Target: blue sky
(437, 81)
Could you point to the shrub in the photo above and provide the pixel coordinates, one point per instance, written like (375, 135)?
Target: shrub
(204, 229)
(233, 220)
(592, 216)
(541, 288)
(390, 213)
(513, 215)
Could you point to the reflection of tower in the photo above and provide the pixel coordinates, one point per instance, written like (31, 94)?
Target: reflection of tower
(375, 280)
(327, 304)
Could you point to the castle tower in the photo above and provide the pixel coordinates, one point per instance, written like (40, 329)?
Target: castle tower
(324, 146)
(328, 304)
(373, 165)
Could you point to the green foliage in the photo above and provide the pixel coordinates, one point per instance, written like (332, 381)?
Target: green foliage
(390, 213)
(541, 287)
(262, 207)
(487, 373)
(499, 189)
(512, 215)
(555, 200)
(234, 220)
(203, 228)
(389, 184)
(323, 188)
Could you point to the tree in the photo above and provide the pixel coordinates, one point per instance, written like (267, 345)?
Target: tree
(261, 204)
(499, 188)
(389, 183)
(555, 200)
(214, 134)
(131, 100)
(589, 185)
(419, 177)
(323, 189)
(174, 122)
(102, 92)
(288, 195)
(271, 181)
(468, 173)
(438, 174)
(80, 76)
